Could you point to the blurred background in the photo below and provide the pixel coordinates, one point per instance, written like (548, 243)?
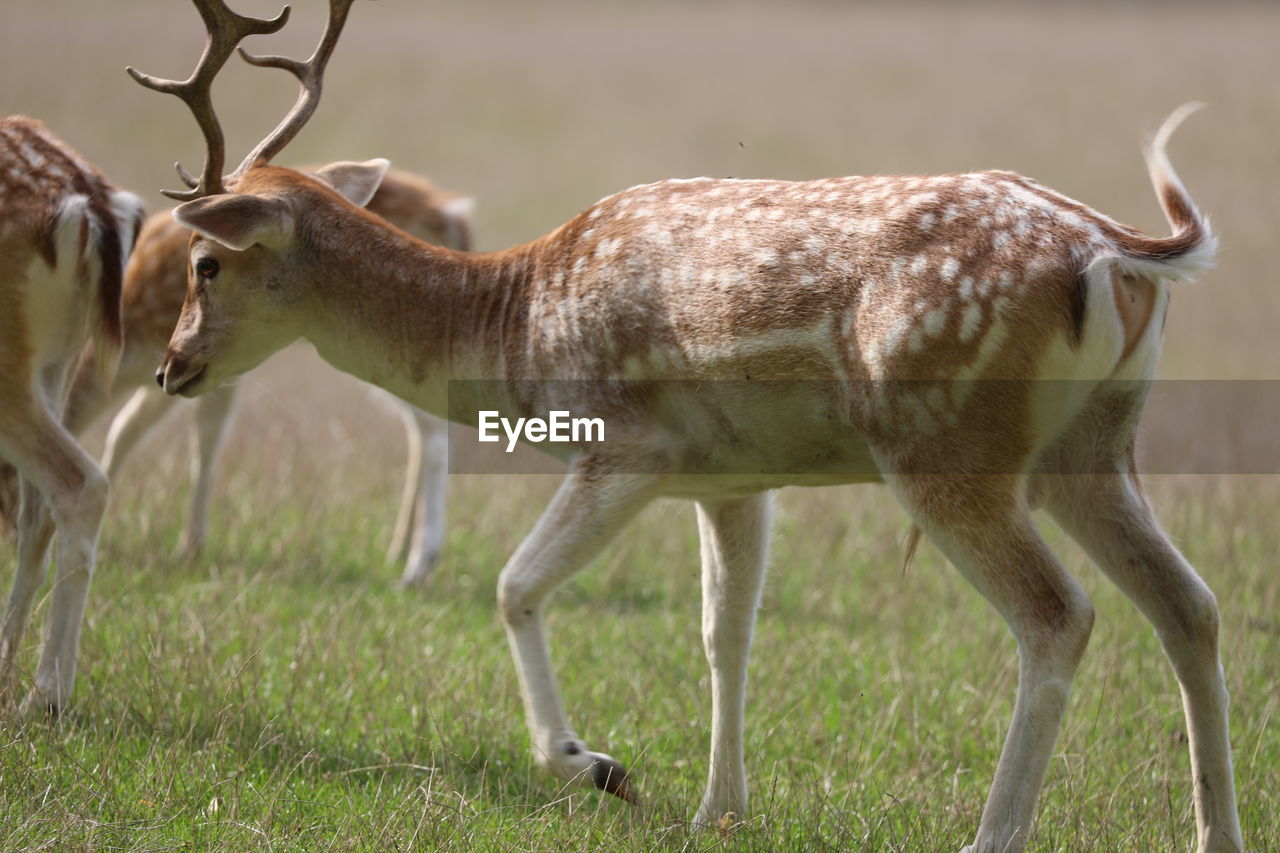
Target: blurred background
(539, 109)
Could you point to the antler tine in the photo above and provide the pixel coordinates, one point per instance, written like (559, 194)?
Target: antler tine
(226, 29)
(310, 75)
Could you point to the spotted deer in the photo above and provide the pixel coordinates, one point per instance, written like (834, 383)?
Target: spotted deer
(154, 284)
(979, 343)
(65, 232)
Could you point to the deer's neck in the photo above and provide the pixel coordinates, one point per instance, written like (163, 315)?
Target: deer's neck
(409, 317)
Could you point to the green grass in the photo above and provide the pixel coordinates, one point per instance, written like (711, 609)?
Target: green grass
(284, 696)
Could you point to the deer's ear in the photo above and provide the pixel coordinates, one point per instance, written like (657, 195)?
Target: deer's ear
(238, 221)
(356, 182)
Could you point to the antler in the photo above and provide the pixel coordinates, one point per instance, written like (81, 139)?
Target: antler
(310, 75)
(226, 30)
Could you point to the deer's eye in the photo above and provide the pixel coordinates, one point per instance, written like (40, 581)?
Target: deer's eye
(206, 269)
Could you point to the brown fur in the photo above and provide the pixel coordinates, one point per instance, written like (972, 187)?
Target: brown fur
(40, 166)
(38, 172)
(861, 280)
(55, 204)
(1190, 230)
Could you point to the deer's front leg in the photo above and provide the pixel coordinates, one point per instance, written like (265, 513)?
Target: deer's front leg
(420, 528)
(133, 424)
(213, 413)
(735, 548)
(586, 512)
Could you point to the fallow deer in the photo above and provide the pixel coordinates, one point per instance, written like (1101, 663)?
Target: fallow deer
(154, 284)
(65, 232)
(978, 342)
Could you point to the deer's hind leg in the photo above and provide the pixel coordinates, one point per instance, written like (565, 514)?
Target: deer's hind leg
(1108, 514)
(35, 533)
(981, 523)
(75, 490)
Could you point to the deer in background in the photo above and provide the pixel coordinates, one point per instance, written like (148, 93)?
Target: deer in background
(979, 343)
(154, 285)
(65, 232)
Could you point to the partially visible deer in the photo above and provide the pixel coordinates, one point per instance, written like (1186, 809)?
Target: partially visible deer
(154, 285)
(978, 342)
(65, 232)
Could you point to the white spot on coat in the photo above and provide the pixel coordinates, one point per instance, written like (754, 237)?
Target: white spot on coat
(934, 321)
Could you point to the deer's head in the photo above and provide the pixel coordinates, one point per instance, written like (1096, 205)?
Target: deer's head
(246, 260)
(251, 258)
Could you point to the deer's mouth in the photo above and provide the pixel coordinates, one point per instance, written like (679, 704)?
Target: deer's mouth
(186, 386)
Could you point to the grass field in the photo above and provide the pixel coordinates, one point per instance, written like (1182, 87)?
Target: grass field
(281, 694)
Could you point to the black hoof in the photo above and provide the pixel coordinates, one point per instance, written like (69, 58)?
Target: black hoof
(612, 778)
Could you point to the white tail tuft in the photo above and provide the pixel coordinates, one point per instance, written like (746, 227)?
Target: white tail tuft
(1193, 246)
